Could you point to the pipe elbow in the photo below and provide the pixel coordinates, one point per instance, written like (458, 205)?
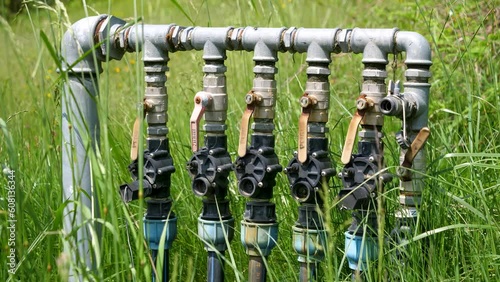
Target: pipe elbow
(417, 48)
(78, 40)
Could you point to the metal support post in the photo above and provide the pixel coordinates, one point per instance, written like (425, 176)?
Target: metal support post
(256, 167)
(209, 166)
(158, 163)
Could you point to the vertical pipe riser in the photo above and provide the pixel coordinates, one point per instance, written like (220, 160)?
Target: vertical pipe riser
(80, 129)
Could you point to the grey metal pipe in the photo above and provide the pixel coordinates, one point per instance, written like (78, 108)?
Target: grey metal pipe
(80, 130)
(308, 272)
(416, 90)
(417, 48)
(134, 38)
(375, 44)
(215, 267)
(257, 270)
(318, 43)
(76, 41)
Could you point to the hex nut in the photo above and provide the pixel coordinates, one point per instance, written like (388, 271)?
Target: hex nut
(374, 73)
(417, 73)
(107, 31)
(214, 68)
(343, 39)
(185, 38)
(318, 71)
(288, 38)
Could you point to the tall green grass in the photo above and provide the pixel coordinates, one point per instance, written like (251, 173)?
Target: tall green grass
(458, 236)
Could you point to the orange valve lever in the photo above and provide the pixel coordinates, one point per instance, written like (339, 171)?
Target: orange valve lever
(134, 147)
(362, 105)
(201, 102)
(416, 146)
(306, 102)
(251, 99)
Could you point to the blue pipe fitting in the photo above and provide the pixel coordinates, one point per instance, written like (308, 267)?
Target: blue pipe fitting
(360, 251)
(259, 238)
(216, 234)
(153, 228)
(310, 244)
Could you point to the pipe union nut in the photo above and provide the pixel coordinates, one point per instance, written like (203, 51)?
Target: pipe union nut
(288, 38)
(235, 39)
(214, 68)
(107, 35)
(185, 38)
(374, 73)
(265, 69)
(176, 37)
(318, 71)
(417, 73)
(343, 39)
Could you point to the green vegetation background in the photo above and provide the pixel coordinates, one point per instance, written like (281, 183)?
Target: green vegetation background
(459, 226)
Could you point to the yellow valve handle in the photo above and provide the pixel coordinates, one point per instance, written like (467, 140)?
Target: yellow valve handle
(251, 99)
(306, 102)
(194, 121)
(134, 147)
(245, 121)
(416, 146)
(302, 152)
(351, 136)
(362, 105)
